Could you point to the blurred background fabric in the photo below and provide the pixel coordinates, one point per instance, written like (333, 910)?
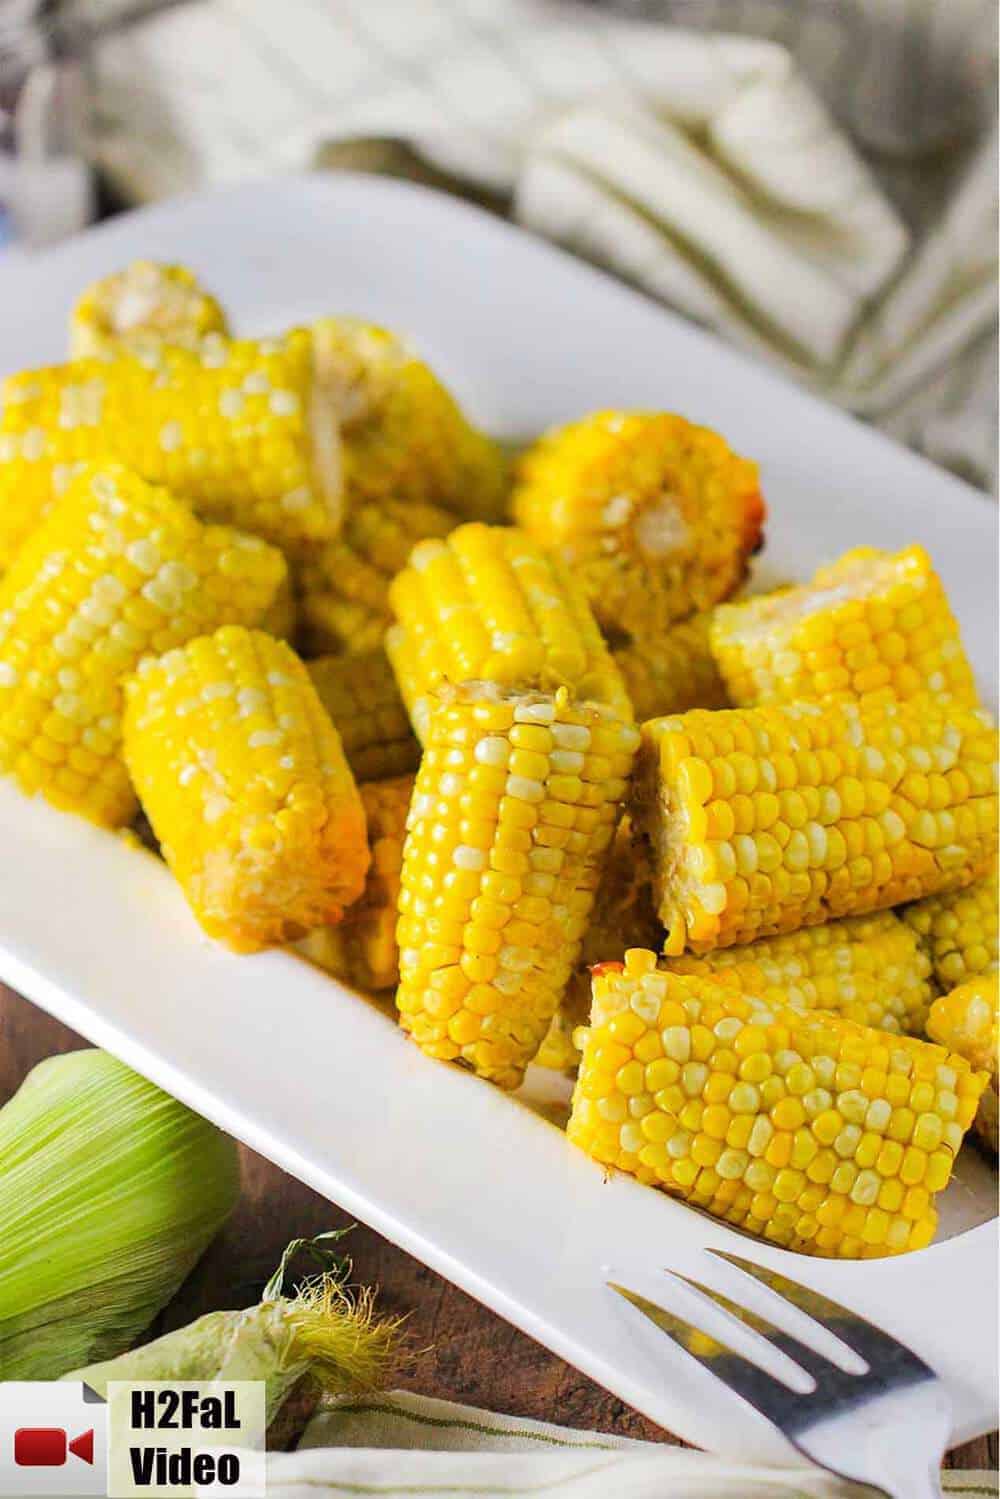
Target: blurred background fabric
(814, 179)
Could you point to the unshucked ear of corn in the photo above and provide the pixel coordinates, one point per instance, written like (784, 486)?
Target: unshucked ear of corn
(109, 1192)
(244, 781)
(654, 516)
(118, 570)
(818, 1134)
(763, 820)
(513, 811)
(146, 302)
(242, 429)
(320, 1334)
(966, 1021)
(870, 623)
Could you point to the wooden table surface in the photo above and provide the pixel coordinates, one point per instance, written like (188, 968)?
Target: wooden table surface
(467, 1352)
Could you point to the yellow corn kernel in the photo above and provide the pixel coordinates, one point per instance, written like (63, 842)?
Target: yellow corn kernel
(244, 782)
(119, 570)
(143, 303)
(362, 949)
(361, 696)
(966, 1021)
(870, 969)
(242, 430)
(492, 909)
(877, 803)
(655, 517)
(797, 1195)
(873, 622)
(959, 930)
(673, 670)
(488, 604)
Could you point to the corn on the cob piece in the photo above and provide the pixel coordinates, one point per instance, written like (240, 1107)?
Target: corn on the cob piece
(673, 670)
(118, 570)
(816, 1133)
(145, 301)
(243, 431)
(762, 820)
(622, 917)
(959, 929)
(873, 622)
(655, 516)
(362, 949)
(489, 604)
(870, 969)
(966, 1022)
(344, 584)
(244, 782)
(361, 696)
(512, 815)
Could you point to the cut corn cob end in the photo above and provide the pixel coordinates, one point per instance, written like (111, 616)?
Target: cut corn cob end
(966, 1021)
(817, 1134)
(512, 815)
(120, 569)
(655, 516)
(245, 784)
(763, 820)
(873, 622)
(145, 301)
(361, 697)
(362, 949)
(959, 930)
(489, 604)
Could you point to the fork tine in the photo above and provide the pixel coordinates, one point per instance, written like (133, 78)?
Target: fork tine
(758, 1388)
(856, 1333)
(800, 1353)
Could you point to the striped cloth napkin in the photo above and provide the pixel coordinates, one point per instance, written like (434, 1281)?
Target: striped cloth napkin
(410, 1445)
(702, 165)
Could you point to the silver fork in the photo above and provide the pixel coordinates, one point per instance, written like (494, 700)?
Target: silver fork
(884, 1422)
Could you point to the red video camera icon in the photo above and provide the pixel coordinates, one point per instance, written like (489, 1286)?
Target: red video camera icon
(48, 1446)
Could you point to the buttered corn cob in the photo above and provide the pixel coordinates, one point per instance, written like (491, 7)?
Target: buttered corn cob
(763, 820)
(146, 301)
(489, 604)
(362, 949)
(242, 430)
(816, 1133)
(966, 1021)
(118, 570)
(512, 815)
(655, 516)
(872, 622)
(673, 670)
(869, 969)
(244, 782)
(361, 696)
(959, 929)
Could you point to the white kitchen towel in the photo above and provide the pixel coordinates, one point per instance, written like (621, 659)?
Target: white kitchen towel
(410, 1445)
(703, 166)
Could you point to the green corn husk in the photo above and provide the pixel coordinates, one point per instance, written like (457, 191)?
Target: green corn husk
(110, 1191)
(321, 1333)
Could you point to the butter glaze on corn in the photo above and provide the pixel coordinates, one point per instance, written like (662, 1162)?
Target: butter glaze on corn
(119, 570)
(147, 301)
(488, 604)
(512, 815)
(872, 622)
(870, 969)
(244, 782)
(959, 929)
(966, 1021)
(362, 949)
(361, 696)
(654, 516)
(763, 820)
(673, 670)
(817, 1134)
(242, 430)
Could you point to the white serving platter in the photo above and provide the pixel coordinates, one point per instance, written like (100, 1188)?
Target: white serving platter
(480, 1186)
